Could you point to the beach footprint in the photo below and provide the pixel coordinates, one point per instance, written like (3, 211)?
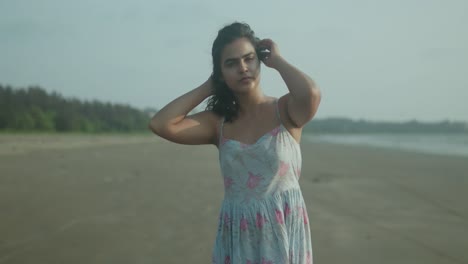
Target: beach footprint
(323, 177)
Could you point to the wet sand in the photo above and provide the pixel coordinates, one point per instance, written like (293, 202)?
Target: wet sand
(140, 199)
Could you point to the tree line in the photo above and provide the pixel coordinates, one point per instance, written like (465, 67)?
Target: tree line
(33, 109)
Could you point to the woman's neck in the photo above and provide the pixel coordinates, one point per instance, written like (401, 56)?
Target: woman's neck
(251, 104)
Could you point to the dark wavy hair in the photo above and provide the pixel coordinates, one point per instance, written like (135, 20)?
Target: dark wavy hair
(223, 101)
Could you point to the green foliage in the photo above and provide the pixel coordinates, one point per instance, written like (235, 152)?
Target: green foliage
(23, 121)
(33, 109)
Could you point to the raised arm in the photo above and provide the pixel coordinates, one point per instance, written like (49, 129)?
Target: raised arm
(304, 95)
(173, 123)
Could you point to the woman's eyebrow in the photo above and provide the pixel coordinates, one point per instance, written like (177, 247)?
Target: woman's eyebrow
(243, 56)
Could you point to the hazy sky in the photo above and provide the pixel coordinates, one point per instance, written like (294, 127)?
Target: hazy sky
(378, 60)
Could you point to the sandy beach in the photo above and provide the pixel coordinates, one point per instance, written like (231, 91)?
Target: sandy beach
(141, 199)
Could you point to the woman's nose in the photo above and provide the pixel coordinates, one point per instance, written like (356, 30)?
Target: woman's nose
(243, 66)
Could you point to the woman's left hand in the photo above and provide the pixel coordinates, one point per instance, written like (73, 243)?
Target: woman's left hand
(273, 57)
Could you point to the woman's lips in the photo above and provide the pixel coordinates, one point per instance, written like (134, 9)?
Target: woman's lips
(246, 79)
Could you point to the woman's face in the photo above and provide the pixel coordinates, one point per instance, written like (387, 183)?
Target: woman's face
(240, 66)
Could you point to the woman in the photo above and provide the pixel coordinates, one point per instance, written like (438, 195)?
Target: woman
(263, 218)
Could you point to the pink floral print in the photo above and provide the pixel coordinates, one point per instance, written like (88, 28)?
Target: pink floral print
(228, 182)
(275, 131)
(253, 180)
(226, 220)
(279, 216)
(283, 168)
(308, 258)
(260, 220)
(243, 224)
(287, 210)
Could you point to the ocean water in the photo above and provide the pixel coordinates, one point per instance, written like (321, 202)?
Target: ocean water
(445, 144)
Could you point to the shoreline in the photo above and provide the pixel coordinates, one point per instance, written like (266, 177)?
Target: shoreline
(427, 144)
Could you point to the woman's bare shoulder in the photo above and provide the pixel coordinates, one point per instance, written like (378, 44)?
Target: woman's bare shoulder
(213, 120)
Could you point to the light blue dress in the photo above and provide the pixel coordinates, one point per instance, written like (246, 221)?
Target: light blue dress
(263, 217)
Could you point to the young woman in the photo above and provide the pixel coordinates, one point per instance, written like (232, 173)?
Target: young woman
(263, 218)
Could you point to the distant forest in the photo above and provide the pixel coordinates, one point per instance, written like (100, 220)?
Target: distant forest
(33, 109)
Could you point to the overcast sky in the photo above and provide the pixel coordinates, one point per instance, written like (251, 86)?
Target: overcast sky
(377, 60)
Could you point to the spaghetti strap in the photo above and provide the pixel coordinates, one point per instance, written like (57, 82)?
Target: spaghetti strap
(277, 110)
(221, 131)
